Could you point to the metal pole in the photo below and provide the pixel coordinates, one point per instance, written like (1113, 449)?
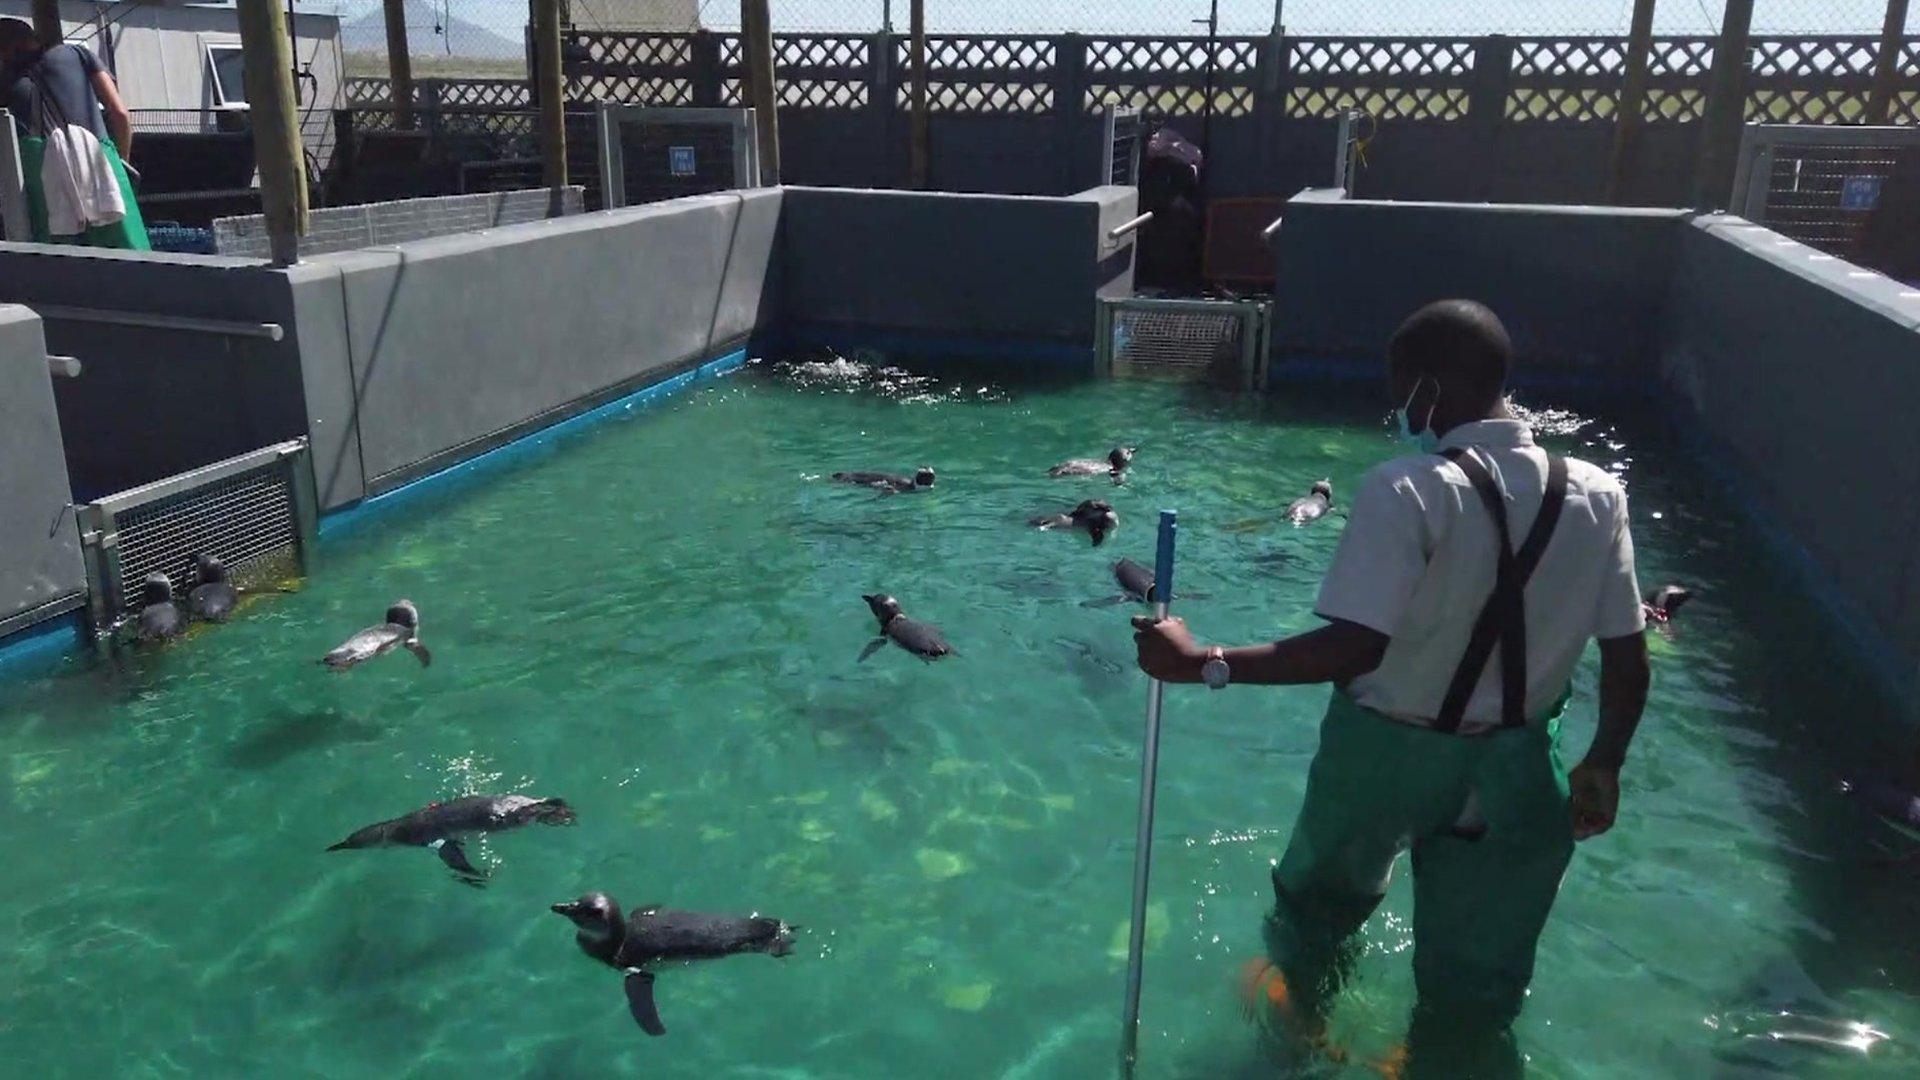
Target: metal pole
(1627, 119)
(1886, 70)
(886, 15)
(399, 65)
(46, 21)
(268, 75)
(756, 28)
(1206, 113)
(1279, 16)
(550, 89)
(1726, 108)
(1143, 836)
(919, 152)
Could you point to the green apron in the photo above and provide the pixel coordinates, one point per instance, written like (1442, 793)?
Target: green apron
(129, 233)
(1378, 787)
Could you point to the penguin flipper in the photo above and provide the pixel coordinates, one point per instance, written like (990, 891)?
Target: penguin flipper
(419, 651)
(455, 857)
(639, 986)
(873, 646)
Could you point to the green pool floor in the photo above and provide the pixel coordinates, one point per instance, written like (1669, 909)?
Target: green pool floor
(658, 620)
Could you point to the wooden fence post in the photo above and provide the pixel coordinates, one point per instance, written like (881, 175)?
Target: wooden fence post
(46, 21)
(763, 93)
(550, 91)
(1487, 97)
(399, 65)
(276, 128)
(1629, 112)
(919, 153)
(881, 104)
(1069, 103)
(1270, 94)
(1726, 109)
(1886, 69)
(707, 77)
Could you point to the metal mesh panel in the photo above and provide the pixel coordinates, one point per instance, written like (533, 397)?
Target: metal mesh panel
(239, 520)
(1822, 195)
(651, 152)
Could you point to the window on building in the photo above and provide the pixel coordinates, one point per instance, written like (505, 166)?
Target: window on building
(228, 65)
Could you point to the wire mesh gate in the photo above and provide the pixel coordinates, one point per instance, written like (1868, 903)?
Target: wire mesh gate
(1821, 185)
(1221, 341)
(251, 512)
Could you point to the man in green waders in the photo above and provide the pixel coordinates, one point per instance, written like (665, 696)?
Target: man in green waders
(66, 84)
(1469, 580)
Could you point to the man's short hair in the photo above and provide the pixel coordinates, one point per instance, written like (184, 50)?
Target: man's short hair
(1459, 341)
(15, 32)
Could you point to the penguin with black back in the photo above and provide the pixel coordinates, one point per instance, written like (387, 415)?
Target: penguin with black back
(214, 598)
(160, 617)
(922, 639)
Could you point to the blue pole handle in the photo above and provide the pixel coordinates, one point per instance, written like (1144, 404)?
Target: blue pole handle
(1163, 559)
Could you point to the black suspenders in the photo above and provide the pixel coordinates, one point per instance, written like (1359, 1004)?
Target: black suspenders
(1503, 620)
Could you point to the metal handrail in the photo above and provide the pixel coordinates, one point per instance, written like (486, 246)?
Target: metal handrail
(270, 331)
(1126, 227)
(1267, 234)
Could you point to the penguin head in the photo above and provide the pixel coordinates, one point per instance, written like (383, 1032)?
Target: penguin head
(209, 569)
(403, 613)
(595, 914)
(553, 812)
(1120, 457)
(1324, 489)
(157, 589)
(1669, 598)
(1098, 518)
(884, 607)
(923, 477)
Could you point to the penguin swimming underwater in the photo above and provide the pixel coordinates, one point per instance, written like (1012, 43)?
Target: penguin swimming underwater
(160, 618)
(1662, 604)
(442, 825)
(1115, 465)
(1313, 506)
(214, 599)
(400, 631)
(922, 639)
(654, 935)
(1096, 516)
(889, 483)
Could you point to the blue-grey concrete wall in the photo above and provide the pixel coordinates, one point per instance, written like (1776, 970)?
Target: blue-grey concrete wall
(861, 265)
(1805, 370)
(420, 355)
(151, 403)
(40, 568)
(1580, 288)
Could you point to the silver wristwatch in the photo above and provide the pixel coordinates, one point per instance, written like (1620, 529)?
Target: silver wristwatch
(1215, 672)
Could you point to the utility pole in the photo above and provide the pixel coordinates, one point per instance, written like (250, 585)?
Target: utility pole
(268, 75)
(550, 90)
(1726, 109)
(756, 31)
(399, 65)
(918, 156)
(46, 21)
(1886, 70)
(1627, 114)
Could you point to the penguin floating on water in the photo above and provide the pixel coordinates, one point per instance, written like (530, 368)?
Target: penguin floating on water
(160, 617)
(214, 599)
(400, 631)
(1095, 516)
(922, 639)
(655, 935)
(1115, 465)
(442, 825)
(1313, 506)
(889, 483)
(1662, 604)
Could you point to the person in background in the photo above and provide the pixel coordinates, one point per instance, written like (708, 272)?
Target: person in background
(1469, 579)
(65, 84)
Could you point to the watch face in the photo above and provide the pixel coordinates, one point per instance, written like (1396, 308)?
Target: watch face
(1215, 673)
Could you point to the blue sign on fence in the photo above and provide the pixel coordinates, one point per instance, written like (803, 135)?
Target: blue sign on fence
(1860, 193)
(680, 160)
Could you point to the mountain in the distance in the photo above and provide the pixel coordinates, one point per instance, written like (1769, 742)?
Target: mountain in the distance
(430, 31)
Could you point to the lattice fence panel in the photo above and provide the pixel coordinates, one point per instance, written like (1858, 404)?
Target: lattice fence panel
(1372, 58)
(1906, 100)
(982, 74)
(1566, 80)
(1677, 72)
(1810, 80)
(1166, 77)
(366, 91)
(816, 71)
(1390, 78)
(476, 93)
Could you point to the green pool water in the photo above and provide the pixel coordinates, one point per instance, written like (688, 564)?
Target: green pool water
(658, 619)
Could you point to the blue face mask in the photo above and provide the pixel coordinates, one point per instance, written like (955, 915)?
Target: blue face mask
(1425, 440)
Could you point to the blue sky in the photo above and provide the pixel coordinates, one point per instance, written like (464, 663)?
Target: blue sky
(1243, 16)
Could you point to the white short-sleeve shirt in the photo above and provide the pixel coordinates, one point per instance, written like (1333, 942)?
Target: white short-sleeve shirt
(1417, 563)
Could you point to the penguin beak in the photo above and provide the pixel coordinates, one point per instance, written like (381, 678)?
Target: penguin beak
(564, 907)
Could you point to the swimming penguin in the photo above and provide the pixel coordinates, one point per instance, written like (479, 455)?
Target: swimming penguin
(160, 618)
(1314, 506)
(654, 935)
(891, 483)
(1093, 515)
(214, 599)
(400, 631)
(442, 825)
(1662, 604)
(1115, 465)
(1892, 803)
(923, 640)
